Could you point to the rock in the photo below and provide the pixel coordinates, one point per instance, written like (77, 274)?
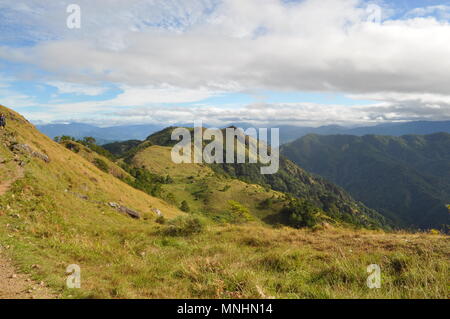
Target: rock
(41, 156)
(157, 211)
(125, 210)
(26, 149)
(13, 276)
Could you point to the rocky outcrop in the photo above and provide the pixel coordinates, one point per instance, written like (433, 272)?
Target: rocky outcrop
(125, 210)
(26, 149)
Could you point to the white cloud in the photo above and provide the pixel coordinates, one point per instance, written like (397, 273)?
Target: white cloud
(314, 45)
(75, 88)
(441, 11)
(146, 95)
(185, 51)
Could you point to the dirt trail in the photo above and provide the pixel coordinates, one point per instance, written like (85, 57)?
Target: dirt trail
(19, 286)
(5, 185)
(12, 284)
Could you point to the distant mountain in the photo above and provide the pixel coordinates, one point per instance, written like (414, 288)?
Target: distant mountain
(405, 178)
(103, 135)
(78, 130)
(288, 133)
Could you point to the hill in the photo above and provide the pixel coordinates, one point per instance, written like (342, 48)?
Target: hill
(405, 178)
(290, 179)
(55, 212)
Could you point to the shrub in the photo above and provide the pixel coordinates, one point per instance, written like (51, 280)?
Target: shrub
(266, 203)
(146, 181)
(73, 147)
(185, 207)
(101, 164)
(184, 226)
(434, 232)
(239, 213)
(160, 220)
(170, 198)
(300, 213)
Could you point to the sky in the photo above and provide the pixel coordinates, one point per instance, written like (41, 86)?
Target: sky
(267, 62)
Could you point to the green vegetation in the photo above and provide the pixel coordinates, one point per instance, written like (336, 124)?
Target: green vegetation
(184, 226)
(101, 164)
(119, 149)
(57, 215)
(185, 206)
(290, 179)
(239, 213)
(405, 178)
(300, 213)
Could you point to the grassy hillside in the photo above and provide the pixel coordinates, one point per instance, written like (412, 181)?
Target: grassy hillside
(334, 202)
(103, 163)
(405, 178)
(203, 189)
(56, 215)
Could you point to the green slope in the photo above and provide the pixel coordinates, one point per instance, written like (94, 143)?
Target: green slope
(290, 179)
(405, 178)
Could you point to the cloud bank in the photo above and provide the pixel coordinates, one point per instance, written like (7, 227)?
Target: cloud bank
(159, 52)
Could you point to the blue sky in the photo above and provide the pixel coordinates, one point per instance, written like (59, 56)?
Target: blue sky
(308, 62)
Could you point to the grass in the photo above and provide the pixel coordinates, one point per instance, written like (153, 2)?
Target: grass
(45, 227)
(204, 190)
(124, 258)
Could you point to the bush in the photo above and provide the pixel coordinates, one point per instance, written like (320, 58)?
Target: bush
(184, 226)
(73, 147)
(160, 220)
(239, 213)
(300, 213)
(434, 232)
(101, 164)
(170, 198)
(266, 203)
(146, 181)
(185, 207)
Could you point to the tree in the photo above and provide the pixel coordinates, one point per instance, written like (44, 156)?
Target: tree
(89, 140)
(67, 138)
(239, 213)
(300, 213)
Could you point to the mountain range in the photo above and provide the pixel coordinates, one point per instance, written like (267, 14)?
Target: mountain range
(405, 178)
(288, 133)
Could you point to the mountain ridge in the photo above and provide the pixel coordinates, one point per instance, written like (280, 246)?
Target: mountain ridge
(288, 133)
(395, 175)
